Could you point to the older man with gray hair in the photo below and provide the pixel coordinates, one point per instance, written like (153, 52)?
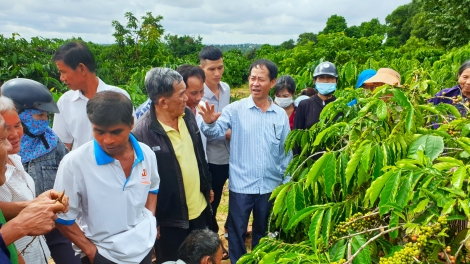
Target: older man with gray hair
(171, 130)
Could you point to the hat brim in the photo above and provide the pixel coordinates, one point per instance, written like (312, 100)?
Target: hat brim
(49, 107)
(383, 78)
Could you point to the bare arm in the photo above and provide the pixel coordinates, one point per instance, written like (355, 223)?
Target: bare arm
(11, 209)
(75, 234)
(151, 203)
(36, 219)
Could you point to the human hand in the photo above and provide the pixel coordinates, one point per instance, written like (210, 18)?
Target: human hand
(38, 218)
(53, 195)
(91, 253)
(228, 134)
(211, 196)
(208, 113)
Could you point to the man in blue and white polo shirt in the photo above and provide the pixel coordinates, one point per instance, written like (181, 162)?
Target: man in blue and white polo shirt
(112, 184)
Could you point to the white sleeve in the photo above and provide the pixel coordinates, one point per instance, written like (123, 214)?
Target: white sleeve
(65, 180)
(154, 177)
(60, 126)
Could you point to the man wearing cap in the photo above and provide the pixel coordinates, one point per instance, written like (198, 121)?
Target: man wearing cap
(308, 112)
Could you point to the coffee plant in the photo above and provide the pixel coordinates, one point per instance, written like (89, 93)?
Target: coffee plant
(383, 181)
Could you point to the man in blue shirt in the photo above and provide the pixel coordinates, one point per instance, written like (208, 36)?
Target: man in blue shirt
(257, 159)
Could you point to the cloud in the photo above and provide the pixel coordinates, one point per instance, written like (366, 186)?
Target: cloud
(217, 22)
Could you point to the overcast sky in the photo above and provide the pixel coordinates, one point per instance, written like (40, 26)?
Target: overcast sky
(216, 21)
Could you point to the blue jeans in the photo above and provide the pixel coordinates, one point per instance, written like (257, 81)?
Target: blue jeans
(239, 209)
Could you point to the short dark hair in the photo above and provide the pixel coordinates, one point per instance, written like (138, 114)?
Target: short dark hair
(198, 244)
(309, 91)
(110, 108)
(160, 82)
(285, 82)
(271, 66)
(209, 53)
(74, 53)
(187, 71)
(464, 66)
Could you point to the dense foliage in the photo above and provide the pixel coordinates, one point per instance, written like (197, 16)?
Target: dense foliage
(382, 181)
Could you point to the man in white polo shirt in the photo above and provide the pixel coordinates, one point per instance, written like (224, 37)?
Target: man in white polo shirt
(112, 184)
(77, 67)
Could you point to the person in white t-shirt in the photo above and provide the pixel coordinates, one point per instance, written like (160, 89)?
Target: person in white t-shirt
(77, 68)
(112, 184)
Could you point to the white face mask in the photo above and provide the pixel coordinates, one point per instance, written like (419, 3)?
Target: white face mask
(284, 102)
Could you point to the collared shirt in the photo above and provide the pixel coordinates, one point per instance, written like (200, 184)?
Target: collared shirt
(147, 104)
(184, 151)
(257, 158)
(19, 186)
(218, 149)
(108, 207)
(72, 124)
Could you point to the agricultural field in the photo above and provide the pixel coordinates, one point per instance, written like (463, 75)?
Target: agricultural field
(383, 181)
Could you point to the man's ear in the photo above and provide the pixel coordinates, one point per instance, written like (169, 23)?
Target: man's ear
(162, 102)
(82, 68)
(206, 260)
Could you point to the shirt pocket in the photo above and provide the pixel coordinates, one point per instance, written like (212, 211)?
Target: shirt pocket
(273, 138)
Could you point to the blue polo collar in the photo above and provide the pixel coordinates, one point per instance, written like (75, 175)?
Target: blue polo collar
(102, 158)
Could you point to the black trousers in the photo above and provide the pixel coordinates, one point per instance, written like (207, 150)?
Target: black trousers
(61, 248)
(219, 177)
(171, 238)
(102, 260)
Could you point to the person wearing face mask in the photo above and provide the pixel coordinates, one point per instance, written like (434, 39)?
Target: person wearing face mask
(40, 149)
(308, 112)
(284, 91)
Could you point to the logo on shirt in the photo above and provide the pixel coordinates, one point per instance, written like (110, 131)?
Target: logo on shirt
(144, 179)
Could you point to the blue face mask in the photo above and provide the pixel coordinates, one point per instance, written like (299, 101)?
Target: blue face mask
(325, 88)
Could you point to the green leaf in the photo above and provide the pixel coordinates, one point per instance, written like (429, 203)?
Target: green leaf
(279, 202)
(451, 109)
(270, 257)
(378, 162)
(404, 191)
(326, 225)
(374, 190)
(328, 130)
(299, 198)
(314, 229)
(421, 206)
(352, 164)
(300, 215)
(316, 170)
(458, 177)
(464, 206)
(454, 191)
(443, 166)
(389, 192)
(290, 201)
(330, 173)
(448, 207)
(366, 157)
(394, 220)
(337, 251)
(382, 110)
(409, 120)
(364, 256)
(432, 146)
(401, 98)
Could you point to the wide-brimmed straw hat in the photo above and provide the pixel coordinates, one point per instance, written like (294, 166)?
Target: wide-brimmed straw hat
(385, 75)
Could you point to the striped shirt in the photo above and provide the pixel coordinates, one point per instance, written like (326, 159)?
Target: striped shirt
(257, 159)
(218, 149)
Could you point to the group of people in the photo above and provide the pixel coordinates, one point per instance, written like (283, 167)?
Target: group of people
(110, 184)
